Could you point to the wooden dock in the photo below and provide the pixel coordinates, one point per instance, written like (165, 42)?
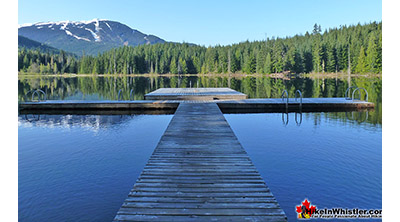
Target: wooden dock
(168, 99)
(169, 106)
(195, 94)
(200, 172)
(293, 105)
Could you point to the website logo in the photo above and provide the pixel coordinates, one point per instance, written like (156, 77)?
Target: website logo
(308, 211)
(305, 210)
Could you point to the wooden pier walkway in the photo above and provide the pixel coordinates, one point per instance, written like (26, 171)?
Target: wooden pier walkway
(200, 172)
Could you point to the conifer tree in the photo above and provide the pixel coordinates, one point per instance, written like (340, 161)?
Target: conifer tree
(250, 66)
(372, 54)
(173, 67)
(316, 56)
(268, 64)
(55, 69)
(379, 53)
(361, 62)
(183, 66)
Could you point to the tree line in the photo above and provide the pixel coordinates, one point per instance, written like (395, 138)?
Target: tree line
(355, 49)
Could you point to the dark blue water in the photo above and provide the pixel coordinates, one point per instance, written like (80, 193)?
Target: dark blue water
(81, 168)
(333, 162)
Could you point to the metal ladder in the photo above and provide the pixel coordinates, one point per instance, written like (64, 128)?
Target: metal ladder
(300, 96)
(298, 92)
(131, 94)
(297, 95)
(121, 97)
(287, 98)
(347, 91)
(359, 94)
(357, 89)
(36, 92)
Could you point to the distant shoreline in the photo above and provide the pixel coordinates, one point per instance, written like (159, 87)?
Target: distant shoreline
(339, 75)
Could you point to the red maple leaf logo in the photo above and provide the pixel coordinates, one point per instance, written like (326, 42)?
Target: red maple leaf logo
(298, 209)
(306, 203)
(305, 210)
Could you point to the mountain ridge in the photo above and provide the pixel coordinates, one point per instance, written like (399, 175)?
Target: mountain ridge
(24, 42)
(86, 37)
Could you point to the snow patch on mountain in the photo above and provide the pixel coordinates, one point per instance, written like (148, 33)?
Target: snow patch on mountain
(96, 25)
(25, 25)
(95, 36)
(108, 26)
(77, 37)
(63, 23)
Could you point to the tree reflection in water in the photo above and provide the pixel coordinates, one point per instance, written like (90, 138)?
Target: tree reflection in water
(135, 87)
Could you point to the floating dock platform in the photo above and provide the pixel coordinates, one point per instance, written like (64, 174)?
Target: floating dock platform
(168, 99)
(195, 94)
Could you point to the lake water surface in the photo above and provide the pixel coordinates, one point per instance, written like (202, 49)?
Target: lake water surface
(81, 167)
(330, 161)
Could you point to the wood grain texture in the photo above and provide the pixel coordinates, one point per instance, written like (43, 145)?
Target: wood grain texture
(200, 172)
(202, 94)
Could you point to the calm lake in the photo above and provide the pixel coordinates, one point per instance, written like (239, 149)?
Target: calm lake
(82, 167)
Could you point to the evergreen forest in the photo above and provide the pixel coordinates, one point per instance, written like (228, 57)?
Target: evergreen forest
(354, 49)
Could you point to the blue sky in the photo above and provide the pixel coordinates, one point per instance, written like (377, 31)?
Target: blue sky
(208, 22)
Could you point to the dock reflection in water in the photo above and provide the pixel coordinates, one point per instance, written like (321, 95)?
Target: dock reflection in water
(89, 121)
(353, 116)
(298, 118)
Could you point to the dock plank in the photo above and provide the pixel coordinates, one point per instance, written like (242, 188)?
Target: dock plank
(203, 94)
(200, 172)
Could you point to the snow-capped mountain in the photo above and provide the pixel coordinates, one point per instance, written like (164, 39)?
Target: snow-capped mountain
(90, 37)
